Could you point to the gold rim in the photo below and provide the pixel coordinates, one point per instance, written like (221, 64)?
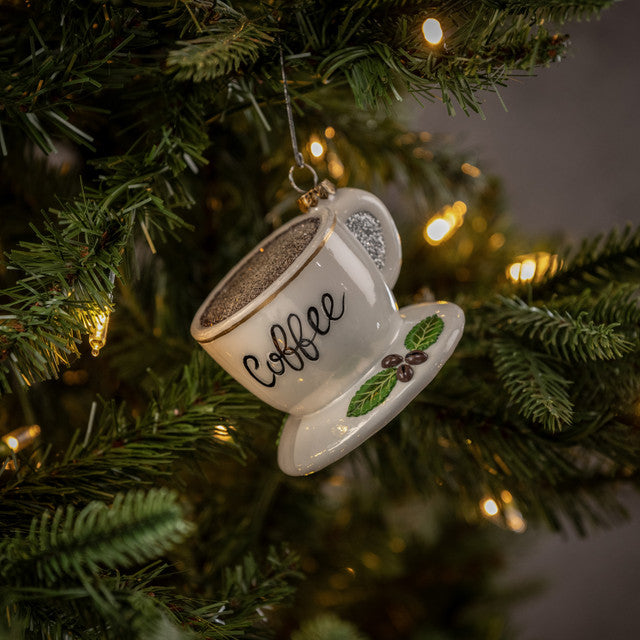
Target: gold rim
(264, 303)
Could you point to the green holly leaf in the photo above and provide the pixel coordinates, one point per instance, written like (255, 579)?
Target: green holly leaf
(372, 392)
(425, 333)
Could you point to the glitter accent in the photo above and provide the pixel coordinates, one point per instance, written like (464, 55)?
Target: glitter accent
(368, 231)
(259, 271)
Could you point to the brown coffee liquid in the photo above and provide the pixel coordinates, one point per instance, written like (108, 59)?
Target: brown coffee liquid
(261, 269)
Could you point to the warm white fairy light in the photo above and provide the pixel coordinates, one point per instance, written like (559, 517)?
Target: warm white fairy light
(20, 438)
(443, 225)
(316, 147)
(437, 229)
(490, 506)
(514, 519)
(532, 267)
(221, 432)
(98, 335)
(336, 168)
(470, 170)
(504, 512)
(432, 31)
(317, 150)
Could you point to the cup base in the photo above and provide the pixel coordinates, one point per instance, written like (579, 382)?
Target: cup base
(311, 442)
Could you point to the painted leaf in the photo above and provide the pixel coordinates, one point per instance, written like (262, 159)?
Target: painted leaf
(425, 333)
(372, 392)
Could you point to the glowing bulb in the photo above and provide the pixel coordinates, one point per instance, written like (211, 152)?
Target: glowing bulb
(515, 521)
(527, 270)
(459, 208)
(437, 230)
(98, 335)
(533, 267)
(514, 271)
(317, 150)
(329, 132)
(18, 439)
(490, 506)
(221, 432)
(432, 31)
(496, 241)
(336, 168)
(470, 170)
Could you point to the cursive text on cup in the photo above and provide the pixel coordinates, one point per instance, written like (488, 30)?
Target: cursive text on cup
(293, 343)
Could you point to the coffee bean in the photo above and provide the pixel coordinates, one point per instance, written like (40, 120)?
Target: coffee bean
(404, 373)
(416, 357)
(392, 360)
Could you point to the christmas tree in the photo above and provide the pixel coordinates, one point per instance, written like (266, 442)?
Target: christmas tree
(146, 147)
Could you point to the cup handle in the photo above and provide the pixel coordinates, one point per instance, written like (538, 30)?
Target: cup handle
(369, 220)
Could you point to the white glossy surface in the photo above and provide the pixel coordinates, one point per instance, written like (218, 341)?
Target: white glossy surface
(339, 267)
(311, 442)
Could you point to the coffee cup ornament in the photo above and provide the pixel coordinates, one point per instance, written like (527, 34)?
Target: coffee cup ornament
(307, 322)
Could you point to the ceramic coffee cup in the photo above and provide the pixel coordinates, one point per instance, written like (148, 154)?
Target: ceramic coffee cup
(307, 316)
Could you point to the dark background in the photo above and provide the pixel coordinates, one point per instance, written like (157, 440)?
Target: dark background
(568, 150)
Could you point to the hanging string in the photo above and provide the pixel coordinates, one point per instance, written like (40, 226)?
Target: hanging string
(297, 156)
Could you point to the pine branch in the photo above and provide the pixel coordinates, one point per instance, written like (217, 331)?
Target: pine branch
(51, 66)
(328, 626)
(616, 303)
(470, 453)
(136, 608)
(179, 422)
(143, 607)
(561, 335)
(549, 10)
(221, 50)
(598, 262)
(248, 592)
(535, 386)
(138, 526)
(66, 280)
(554, 10)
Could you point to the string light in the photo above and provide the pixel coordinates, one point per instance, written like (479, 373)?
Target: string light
(443, 225)
(329, 132)
(432, 31)
(490, 506)
(99, 325)
(221, 432)
(504, 513)
(336, 168)
(98, 335)
(316, 147)
(20, 438)
(532, 267)
(514, 519)
(470, 170)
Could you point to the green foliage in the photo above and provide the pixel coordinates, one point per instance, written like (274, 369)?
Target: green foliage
(598, 262)
(138, 526)
(540, 392)
(425, 333)
(178, 424)
(223, 49)
(327, 627)
(570, 338)
(66, 279)
(372, 392)
(64, 560)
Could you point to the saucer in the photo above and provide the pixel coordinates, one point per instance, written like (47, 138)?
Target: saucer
(311, 442)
